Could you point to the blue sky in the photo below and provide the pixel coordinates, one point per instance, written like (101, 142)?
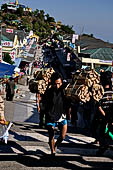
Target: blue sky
(87, 16)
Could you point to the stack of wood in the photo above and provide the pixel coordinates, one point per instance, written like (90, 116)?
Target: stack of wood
(42, 79)
(85, 84)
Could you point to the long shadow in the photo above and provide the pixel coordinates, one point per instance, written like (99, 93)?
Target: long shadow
(71, 144)
(28, 127)
(8, 148)
(39, 159)
(46, 161)
(23, 137)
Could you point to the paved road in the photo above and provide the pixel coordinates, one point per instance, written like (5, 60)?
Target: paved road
(27, 147)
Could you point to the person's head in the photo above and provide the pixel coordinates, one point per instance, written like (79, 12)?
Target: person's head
(11, 78)
(56, 80)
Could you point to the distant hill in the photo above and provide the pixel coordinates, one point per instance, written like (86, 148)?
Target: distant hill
(89, 42)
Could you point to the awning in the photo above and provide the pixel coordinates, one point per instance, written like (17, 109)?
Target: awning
(6, 69)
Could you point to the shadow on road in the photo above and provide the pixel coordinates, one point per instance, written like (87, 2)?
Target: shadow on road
(66, 162)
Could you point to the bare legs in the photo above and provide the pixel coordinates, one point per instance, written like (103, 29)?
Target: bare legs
(52, 142)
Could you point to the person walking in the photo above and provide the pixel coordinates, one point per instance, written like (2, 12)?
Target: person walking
(10, 89)
(106, 110)
(56, 110)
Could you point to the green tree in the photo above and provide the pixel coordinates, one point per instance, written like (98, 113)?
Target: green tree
(9, 16)
(20, 11)
(47, 16)
(50, 19)
(41, 15)
(36, 20)
(67, 29)
(36, 12)
(36, 26)
(7, 58)
(47, 27)
(27, 24)
(4, 7)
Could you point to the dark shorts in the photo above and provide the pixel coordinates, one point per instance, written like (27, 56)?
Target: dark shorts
(55, 124)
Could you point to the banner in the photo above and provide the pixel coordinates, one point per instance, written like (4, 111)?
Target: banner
(13, 55)
(7, 43)
(9, 30)
(75, 37)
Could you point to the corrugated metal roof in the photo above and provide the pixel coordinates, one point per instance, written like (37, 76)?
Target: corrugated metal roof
(89, 42)
(100, 53)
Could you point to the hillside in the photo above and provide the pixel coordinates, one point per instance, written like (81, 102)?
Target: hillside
(42, 24)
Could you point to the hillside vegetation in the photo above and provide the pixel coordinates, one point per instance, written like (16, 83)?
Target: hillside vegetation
(42, 24)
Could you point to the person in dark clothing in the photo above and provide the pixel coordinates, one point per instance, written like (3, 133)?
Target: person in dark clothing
(10, 89)
(41, 110)
(56, 107)
(106, 110)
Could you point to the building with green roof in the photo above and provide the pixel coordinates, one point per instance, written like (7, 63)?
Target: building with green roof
(97, 57)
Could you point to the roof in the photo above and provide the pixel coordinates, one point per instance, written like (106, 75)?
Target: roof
(10, 36)
(89, 42)
(4, 38)
(100, 53)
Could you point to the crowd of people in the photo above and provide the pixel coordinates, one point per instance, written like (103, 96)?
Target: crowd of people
(56, 109)
(95, 117)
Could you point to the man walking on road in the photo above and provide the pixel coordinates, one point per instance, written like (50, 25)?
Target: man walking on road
(10, 86)
(56, 107)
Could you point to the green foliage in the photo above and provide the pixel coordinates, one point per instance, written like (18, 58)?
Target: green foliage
(41, 15)
(20, 11)
(36, 26)
(50, 19)
(4, 7)
(7, 58)
(9, 16)
(67, 29)
(37, 21)
(35, 13)
(27, 25)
